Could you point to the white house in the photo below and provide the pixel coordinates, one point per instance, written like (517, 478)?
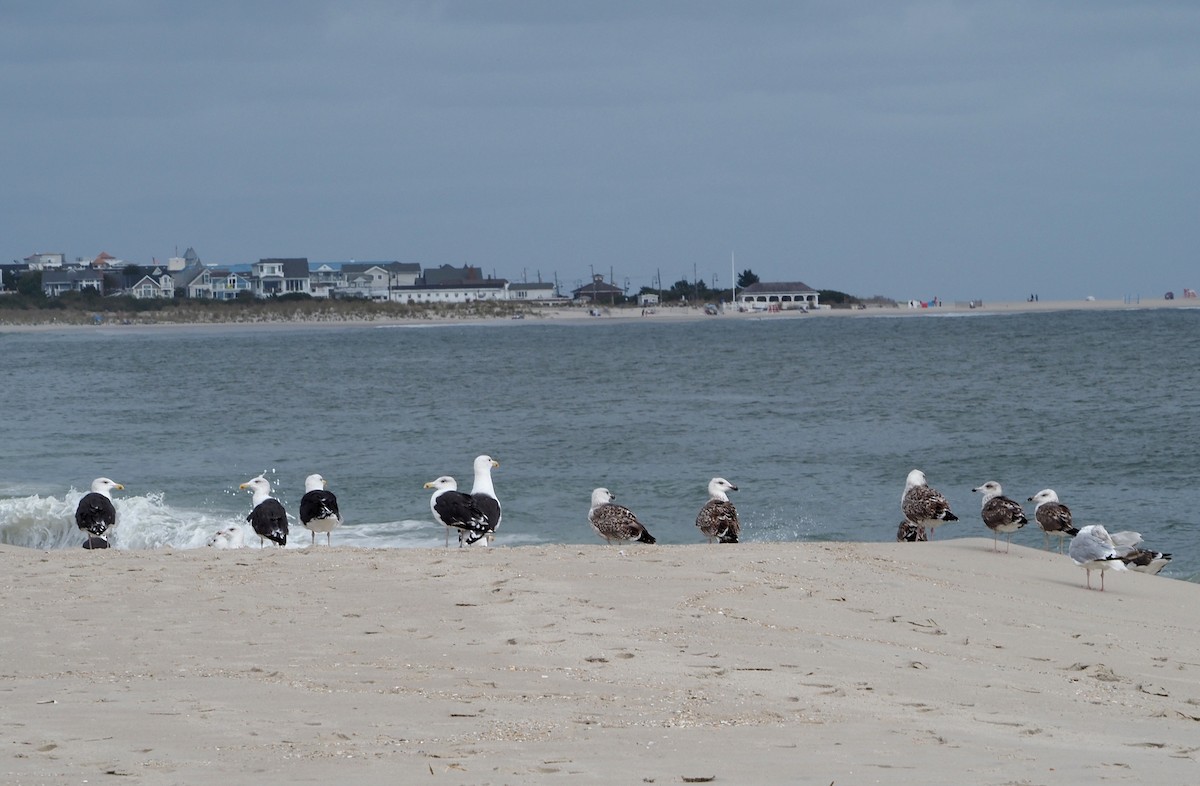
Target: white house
(274, 277)
(535, 291)
(379, 281)
(778, 296)
(44, 261)
(464, 292)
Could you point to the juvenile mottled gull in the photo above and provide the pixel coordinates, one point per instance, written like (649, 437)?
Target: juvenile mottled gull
(1053, 517)
(268, 517)
(718, 519)
(319, 508)
(924, 507)
(1093, 549)
(615, 522)
(1000, 514)
(95, 513)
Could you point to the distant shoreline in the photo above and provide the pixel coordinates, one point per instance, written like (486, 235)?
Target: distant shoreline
(583, 315)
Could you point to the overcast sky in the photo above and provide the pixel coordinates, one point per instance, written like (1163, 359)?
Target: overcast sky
(911, 149)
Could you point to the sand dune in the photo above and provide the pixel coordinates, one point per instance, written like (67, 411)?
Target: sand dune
(932, 663)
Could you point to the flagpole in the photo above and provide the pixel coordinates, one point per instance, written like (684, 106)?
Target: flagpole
(733, 280)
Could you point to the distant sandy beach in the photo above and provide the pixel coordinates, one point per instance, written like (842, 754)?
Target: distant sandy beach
(584, 315)
(843, 663)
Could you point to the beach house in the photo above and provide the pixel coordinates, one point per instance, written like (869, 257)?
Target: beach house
(778, 296)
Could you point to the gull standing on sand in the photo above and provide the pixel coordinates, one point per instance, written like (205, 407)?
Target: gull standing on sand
(924, 507)
(95, 513)
(1093, 549)
(615, 522)
(484, 495)
(1053, 517)
(718, 519)
(453, 508)
(268, 517)
(319, 508)
(1000, 514)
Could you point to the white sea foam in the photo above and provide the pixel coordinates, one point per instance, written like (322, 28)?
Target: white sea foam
(148, 522)
(143, 522)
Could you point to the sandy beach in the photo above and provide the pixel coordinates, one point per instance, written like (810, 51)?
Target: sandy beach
(933, 663)
(583, 315)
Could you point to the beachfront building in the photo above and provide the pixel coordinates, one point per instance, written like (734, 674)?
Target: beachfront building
(462, 292)
(35, 262)
(158, 283)
(778, 296)
(378, 281)
(193, 281)
(533, 291)
(104, 261)
(324, 280)
(59, 282)
(598, 291)
(450, 284)
(280, 276)
(228, 284)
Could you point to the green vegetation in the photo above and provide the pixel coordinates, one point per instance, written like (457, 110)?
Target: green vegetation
(746, 278)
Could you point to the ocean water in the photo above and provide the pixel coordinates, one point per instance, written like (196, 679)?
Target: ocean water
(817, 420)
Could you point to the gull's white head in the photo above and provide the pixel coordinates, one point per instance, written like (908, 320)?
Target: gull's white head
(717, 488)
(444, 483)
(105, 486)
(260, 487)
(915, 478)
(485, 464)
(314, 482)
(989, 490)
(602, 496)
(1044, 496)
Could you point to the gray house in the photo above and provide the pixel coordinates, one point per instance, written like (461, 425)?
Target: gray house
(57, 282)
(194, 281)
(599, 291)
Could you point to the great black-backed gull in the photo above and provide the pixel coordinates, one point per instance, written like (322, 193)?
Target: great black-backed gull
(1000, 514)
(95, 513)
(232, 537)
(615, 522)
(1093, 549)
(718, 519)
(484, 495)
(1053, 517)
(319, 508)
(268, 517)
(1127, 546)
(923, 506)
(453, 508)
